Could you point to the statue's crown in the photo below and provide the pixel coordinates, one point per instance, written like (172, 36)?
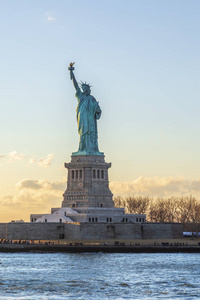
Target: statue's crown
(85, 84)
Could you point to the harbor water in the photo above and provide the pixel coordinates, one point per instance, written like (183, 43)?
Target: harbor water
(99, 276)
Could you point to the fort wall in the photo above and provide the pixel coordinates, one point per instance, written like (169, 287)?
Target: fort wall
(87, 231)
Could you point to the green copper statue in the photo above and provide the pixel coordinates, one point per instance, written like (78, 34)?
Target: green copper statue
(87, 113)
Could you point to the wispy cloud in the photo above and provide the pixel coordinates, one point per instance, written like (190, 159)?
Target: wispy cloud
(50, 16)
(51, 19)
(45, 162)
(157, 187)
(6, 199)
(41, 184)
(29, 184)
(14, 156)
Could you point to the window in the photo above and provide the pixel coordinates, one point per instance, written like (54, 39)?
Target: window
(96, 219)
(101, 205)
(72, 174)
(89, 219)
(80, 174)
(126, 219)
(139, 219)
(102, 174)
(136, 219)
(98, 173)
(143, 220)
(60, 220)
(32, 220)
(92, 219)
(76, 174)
(94, 173)
(109, 219)
(73, 205)
(45, 220)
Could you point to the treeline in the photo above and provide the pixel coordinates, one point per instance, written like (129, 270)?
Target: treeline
(174, 209)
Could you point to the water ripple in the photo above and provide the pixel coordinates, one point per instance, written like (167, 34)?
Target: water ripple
(99, 276)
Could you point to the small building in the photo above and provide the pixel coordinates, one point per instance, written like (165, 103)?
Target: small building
(89, 215)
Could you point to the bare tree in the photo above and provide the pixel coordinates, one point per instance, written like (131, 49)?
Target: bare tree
(119, 201)
(174, 209)
(137, 205)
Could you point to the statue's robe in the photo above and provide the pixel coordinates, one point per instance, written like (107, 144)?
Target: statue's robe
(87, 113)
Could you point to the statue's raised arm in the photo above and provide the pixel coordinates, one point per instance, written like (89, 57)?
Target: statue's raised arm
(72, 76)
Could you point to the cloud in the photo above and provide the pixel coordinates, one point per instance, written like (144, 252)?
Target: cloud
(32, 161)
(6, 199)
(29, 184)
(45, 162)
(157, 187)
(31, 196)
(51, 19)
(41, 184)
(14, 156)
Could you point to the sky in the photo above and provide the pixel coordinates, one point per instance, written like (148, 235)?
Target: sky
(142, 59)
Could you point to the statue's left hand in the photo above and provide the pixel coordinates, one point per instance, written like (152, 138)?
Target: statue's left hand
(98, 110)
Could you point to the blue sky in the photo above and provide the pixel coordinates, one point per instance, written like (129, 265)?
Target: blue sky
(142, 59)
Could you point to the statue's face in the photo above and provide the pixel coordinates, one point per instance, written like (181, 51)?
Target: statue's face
(86, 89)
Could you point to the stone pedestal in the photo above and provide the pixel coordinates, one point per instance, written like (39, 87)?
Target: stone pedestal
(88, 184)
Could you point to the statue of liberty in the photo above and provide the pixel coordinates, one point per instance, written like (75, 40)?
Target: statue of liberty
(87, 113)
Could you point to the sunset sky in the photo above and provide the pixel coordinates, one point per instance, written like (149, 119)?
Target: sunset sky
(142, 59)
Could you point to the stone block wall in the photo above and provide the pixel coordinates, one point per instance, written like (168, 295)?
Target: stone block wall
(3, 230)
(77, 231)
(87, 184)
(191, 227)
(39, 231)
(162, 230)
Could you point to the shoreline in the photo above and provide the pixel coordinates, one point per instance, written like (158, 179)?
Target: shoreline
(35, 248)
